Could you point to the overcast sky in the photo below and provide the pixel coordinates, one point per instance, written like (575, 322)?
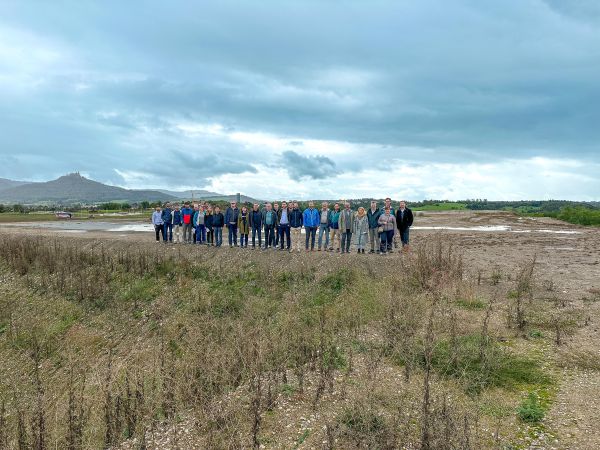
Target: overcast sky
(308, 99)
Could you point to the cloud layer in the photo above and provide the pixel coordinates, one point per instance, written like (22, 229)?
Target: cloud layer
(414, 99)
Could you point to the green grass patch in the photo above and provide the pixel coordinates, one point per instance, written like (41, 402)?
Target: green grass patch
(531, 409)
(498, 367)
(474, 304)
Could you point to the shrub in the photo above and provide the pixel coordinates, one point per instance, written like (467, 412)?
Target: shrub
(531, 410)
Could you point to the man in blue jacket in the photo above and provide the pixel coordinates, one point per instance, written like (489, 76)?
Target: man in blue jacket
(231, 222)
(311, 219)
(269, 219)
(177, 223)
(167, 223)
(373, 214)
(256, 225)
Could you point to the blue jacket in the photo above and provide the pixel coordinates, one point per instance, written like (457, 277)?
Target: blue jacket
(255, 219)
(334, 218)
(166, 215)
(177, 219)
(295, 218)
(311, 218)
(218, 220)
(187, 215)
(373, 218)
(231, 215)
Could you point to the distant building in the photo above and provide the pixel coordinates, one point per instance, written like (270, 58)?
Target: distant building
(238, 198)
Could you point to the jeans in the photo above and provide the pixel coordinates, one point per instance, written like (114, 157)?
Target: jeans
(187, 232)
(269, 235)
(374, 239)
(232, 234)
(243, 240)
(311, 233)
(346, 240)
(218, 236)
(201, 234)
(168, 232)
(210, 235)
(324, 228)
(276, 236)
(335, 235)
(387, 238)
(159, 229)
(256, 230)
(284, 232)
(404, 236)
(296, 238)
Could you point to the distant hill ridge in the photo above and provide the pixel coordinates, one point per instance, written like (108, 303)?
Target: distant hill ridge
(75, 188)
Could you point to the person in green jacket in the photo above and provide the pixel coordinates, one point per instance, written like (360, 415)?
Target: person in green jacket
(244, 227)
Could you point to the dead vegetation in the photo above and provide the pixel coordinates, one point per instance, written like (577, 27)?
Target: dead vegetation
(125, 346)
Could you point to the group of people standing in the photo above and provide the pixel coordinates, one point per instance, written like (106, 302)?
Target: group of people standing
(338, 229)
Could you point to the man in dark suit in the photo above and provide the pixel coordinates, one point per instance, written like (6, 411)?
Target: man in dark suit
(404, 220)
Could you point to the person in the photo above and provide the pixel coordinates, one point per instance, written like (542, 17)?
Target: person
(311, 220)
(194, 227)
(387, 223)
(276, 231)
(243, 226)
(334, 225)
(167, 223)
(269, 220)
(296, 226)
(218, 221)
(199, 223)
(177, 222)
(208, 223)
(187, 215)
(231, 220)
(283, 220)
(361, 229)
(373, 216)
(404, 220)
(346, 222)
(158, 223)
(324, 226)
(388, 204)
(256, 225)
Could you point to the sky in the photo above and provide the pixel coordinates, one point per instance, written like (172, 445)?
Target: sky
(427, 99)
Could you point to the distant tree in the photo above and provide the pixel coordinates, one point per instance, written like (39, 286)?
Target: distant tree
(125, 206)
(145, 204)
(2, 208)
(18, 208)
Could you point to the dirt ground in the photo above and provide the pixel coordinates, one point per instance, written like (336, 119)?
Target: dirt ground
(567, 258)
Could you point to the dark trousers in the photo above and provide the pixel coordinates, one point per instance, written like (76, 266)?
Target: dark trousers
(201, 233)
(311, 232)
(159, 229)
(387, 240)
(404, 236)
(232, 234)
(346, 240)
(243, 240)
(284, 232)
(210, 236)
(276, 236)
(269, 235)
(256, 230)
(168, 232)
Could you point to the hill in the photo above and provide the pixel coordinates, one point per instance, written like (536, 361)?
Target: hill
(5, 183)
(74, 188)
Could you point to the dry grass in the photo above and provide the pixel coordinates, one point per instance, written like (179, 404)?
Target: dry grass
(110, 344)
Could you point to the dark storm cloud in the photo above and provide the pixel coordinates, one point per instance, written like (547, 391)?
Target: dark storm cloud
(315, 167)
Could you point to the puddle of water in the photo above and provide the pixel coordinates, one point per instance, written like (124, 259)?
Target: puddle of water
(478, 228)
(494, 228)
(137, 227)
